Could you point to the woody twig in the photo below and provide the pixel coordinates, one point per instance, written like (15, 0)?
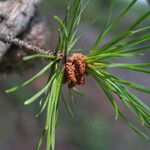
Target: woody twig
(7, 38)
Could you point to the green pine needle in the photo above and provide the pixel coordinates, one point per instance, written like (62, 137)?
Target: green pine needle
(125, 45)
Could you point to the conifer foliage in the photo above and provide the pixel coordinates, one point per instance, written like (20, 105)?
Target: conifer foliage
(65, 66)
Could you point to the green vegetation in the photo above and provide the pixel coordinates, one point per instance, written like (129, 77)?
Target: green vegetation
(98, 60)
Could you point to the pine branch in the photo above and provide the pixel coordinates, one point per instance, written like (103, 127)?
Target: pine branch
(73, 69)
(23, 45)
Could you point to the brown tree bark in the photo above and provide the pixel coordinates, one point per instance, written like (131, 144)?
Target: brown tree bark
(20, 18)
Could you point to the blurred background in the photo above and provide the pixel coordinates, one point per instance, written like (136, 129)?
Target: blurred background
(93, 127)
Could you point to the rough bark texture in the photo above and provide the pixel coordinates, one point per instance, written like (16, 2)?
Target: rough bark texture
(15, 17)
(37, 34)
(21, 19)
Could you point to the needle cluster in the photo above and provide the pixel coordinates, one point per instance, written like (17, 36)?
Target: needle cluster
(74, 66)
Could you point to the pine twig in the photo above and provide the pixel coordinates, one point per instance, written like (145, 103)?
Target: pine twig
(25, 46)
